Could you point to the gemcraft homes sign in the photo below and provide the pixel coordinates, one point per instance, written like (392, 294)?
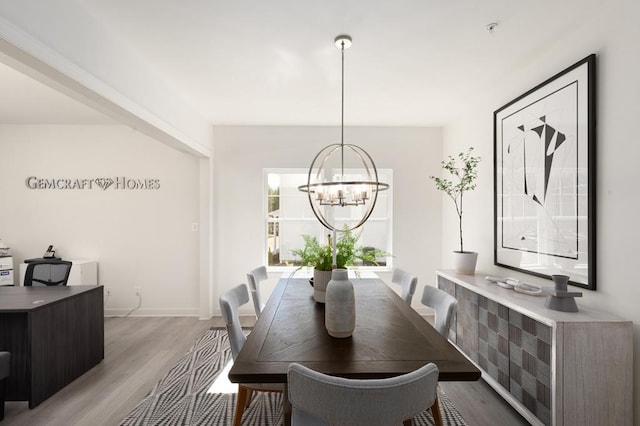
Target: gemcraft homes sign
(104, 183)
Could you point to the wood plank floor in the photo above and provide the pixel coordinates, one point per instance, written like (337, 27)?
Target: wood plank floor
(139, 351)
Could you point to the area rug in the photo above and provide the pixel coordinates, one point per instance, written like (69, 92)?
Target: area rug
(196, 391)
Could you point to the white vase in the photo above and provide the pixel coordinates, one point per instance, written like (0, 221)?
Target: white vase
(320, 280)
(340, 307)
(464, 262)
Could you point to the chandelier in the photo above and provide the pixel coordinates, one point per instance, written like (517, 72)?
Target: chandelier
(342, 175)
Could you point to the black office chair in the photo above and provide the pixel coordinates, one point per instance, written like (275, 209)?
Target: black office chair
(5, 357)
(47, 273)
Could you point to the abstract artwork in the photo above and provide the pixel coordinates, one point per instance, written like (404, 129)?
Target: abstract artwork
(545, 178)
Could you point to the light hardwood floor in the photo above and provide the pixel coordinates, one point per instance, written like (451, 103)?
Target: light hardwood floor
(139, 351)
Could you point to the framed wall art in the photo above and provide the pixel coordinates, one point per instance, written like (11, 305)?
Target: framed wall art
(544, 178)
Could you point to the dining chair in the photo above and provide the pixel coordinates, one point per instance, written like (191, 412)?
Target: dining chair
(444, 306)
(5, 358)
(230, 303)
(408, 282)
(47, 273)
(320, 399)
(254, 278)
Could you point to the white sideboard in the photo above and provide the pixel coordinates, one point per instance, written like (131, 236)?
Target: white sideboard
(554, 368)
(83, 272)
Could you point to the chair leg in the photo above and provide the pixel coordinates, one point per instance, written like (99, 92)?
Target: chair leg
(435, 412)
(240, 404)
(249, 396)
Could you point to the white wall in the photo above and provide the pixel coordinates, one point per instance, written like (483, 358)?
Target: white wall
(241, 154)
(613, 34)
(140, 238)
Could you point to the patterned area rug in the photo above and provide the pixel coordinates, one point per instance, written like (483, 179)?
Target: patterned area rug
(196, 391)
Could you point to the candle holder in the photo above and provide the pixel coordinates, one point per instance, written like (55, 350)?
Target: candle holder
(559, 299)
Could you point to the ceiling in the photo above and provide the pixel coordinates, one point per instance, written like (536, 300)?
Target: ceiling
(412, 63)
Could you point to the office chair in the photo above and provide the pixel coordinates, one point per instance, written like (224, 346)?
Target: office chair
(408, 282)
(47, 273)
(230, 302)
(443, 304)
(5, 358)
(253, 278)
(317, 398)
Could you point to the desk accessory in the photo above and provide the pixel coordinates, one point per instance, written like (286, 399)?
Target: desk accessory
(559, 299)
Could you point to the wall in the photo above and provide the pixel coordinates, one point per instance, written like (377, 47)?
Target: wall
(241, 154)
(140, 238)
(612, 33)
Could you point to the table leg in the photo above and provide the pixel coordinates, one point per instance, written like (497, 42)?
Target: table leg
(286, 406)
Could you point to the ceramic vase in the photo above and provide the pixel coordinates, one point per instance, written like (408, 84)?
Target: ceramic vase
(340, 305)
(464, 262)
(320, 280)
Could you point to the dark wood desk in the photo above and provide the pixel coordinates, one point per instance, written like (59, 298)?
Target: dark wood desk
(54, 334)
(390, 339)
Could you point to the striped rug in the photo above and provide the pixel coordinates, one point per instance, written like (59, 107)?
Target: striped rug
(196, 391)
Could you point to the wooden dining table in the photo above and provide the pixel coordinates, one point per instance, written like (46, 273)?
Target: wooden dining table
(390, 339)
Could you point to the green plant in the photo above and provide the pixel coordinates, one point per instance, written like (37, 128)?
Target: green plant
(463, 179)
(347, 252)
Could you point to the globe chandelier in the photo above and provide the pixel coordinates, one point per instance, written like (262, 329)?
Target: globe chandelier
(342, 175)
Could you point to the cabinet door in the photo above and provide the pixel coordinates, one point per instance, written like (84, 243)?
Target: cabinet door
(530, 366)
(493, 340)
(467, 323)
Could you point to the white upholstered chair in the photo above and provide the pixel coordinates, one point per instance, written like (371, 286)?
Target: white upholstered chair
(443, 304)
(320, 399)
(230, 302)
(254, 278)
(407, 281)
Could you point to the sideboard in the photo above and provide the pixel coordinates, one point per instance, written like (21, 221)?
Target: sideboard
(554, 368)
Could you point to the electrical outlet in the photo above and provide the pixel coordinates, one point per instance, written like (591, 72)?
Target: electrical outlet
(108, 292)
(137, 289)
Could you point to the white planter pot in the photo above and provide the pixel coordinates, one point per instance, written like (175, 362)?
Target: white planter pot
(320, 280)
(464, 262)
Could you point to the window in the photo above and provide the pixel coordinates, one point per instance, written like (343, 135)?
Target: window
(288, 216)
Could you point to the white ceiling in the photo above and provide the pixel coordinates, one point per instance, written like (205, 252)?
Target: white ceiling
(412, 63)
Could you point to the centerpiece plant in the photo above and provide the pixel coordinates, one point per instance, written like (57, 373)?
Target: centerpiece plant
(320, 257)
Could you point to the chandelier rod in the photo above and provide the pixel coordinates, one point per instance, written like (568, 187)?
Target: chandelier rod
(342, 113)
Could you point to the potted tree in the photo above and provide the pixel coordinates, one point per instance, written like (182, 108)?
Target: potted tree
(320, 257)
(463, 173)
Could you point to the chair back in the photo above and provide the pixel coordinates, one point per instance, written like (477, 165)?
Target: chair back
(339, 401)
(47, 273)
(230, 303)
(443, 304)
(408, 281)
(253, 278)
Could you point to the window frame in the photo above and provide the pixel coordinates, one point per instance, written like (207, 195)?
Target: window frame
(321, 229)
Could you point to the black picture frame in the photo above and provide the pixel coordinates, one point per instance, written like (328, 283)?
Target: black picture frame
(544, 178)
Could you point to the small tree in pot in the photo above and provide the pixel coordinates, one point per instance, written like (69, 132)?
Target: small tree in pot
(463, 173)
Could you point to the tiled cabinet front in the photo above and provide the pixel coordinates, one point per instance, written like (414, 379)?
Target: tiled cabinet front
(512, 348)
(530, 364)
(493, 340)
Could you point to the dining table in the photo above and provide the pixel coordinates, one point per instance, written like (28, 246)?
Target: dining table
(390, 339)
